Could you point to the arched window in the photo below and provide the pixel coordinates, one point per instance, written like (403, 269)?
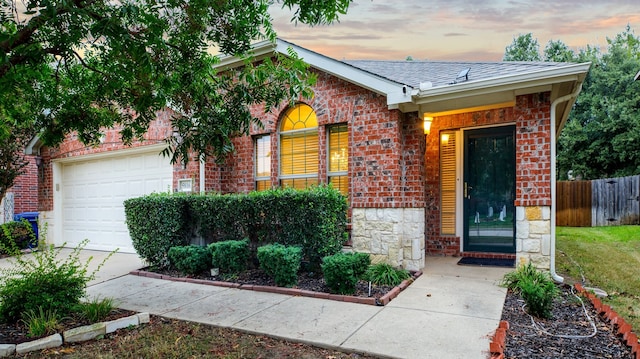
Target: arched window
(299, 147)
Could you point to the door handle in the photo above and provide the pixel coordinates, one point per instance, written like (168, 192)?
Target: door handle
(467, 188)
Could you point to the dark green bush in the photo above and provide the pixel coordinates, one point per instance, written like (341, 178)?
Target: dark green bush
(280, 263)
(230, 256)
(536, 288)
(385, 274)
(16, 235)
(42, 281)
(220, 217)
(314, 220)
(342, 271)
(156, 223)
(191, 259)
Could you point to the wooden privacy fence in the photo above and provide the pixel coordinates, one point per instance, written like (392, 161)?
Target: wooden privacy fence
(603, 202)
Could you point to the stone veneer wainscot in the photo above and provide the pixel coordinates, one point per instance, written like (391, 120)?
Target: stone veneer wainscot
(391, 235)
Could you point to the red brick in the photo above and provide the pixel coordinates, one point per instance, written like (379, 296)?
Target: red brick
(624, 329)
(495, 348)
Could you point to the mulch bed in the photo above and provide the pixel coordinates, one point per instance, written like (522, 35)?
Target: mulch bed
(16, 333)
(524, 340)
(306, 281)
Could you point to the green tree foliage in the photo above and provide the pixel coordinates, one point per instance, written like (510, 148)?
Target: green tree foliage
(558, 51)
(523, 48)
(602, 136)
(88, 64)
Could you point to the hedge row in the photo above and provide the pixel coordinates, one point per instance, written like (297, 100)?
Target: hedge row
(313, 219)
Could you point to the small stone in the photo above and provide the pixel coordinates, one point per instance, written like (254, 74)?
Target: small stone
(84, 333)
(7, 350)
(51, 341)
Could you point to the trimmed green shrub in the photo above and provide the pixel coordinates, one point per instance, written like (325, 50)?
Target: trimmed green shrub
(536, 288)
(15, 236)
(156, 223)
(191, 259)
(280, 263)
(385, 274)
(41, 281)
(342, 271)
(313, 219)
(220, 217)
(230, 256)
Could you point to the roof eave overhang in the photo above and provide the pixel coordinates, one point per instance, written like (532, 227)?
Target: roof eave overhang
(33, 147)
(559, 81)
(396, 93)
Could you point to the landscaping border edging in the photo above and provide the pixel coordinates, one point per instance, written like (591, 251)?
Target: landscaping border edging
(382, 301)
(79, 334)
(622, 328)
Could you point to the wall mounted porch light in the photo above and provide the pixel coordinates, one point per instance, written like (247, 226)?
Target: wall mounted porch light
(39, 166)
(427, 124)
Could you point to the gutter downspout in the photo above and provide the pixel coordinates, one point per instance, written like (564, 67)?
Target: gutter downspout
(202, 163)
(554, 104)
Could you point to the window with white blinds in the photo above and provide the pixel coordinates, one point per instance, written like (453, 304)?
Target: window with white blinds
(263, 162)
(299, 147)
(448, 183)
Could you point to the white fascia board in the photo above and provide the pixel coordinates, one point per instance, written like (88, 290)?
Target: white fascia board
(395, 92)
(575, 72)
(258, 50)
(33, 148)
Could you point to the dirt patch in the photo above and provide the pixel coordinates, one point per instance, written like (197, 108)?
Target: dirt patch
(169, 338)
(544, 338)
(16, 333)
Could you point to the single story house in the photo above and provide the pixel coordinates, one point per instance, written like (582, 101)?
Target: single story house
(436, 158)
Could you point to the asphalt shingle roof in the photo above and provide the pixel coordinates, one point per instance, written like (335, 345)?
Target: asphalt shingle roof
(412, 73)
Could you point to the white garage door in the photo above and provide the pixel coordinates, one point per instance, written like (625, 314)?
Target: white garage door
(93, 192)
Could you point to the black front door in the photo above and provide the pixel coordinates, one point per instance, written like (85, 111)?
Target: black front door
(489, 190)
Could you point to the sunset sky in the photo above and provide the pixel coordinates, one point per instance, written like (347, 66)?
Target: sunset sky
(458, 30)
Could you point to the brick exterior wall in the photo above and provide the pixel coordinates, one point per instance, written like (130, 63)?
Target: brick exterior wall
(533, 150)
(72, 146)
(25, 188)
(531, 115)
(386, 147)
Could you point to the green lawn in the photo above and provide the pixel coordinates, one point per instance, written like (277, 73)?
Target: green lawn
(609, 258)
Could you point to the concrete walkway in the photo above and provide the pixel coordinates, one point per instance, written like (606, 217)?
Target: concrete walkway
(449, 312)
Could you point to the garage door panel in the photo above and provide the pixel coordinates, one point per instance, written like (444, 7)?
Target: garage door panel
(94, 192)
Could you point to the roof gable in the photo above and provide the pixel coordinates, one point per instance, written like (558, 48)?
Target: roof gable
(427, 86)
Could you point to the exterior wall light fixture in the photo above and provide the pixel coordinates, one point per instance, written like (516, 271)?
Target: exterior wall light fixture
(427, 124)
